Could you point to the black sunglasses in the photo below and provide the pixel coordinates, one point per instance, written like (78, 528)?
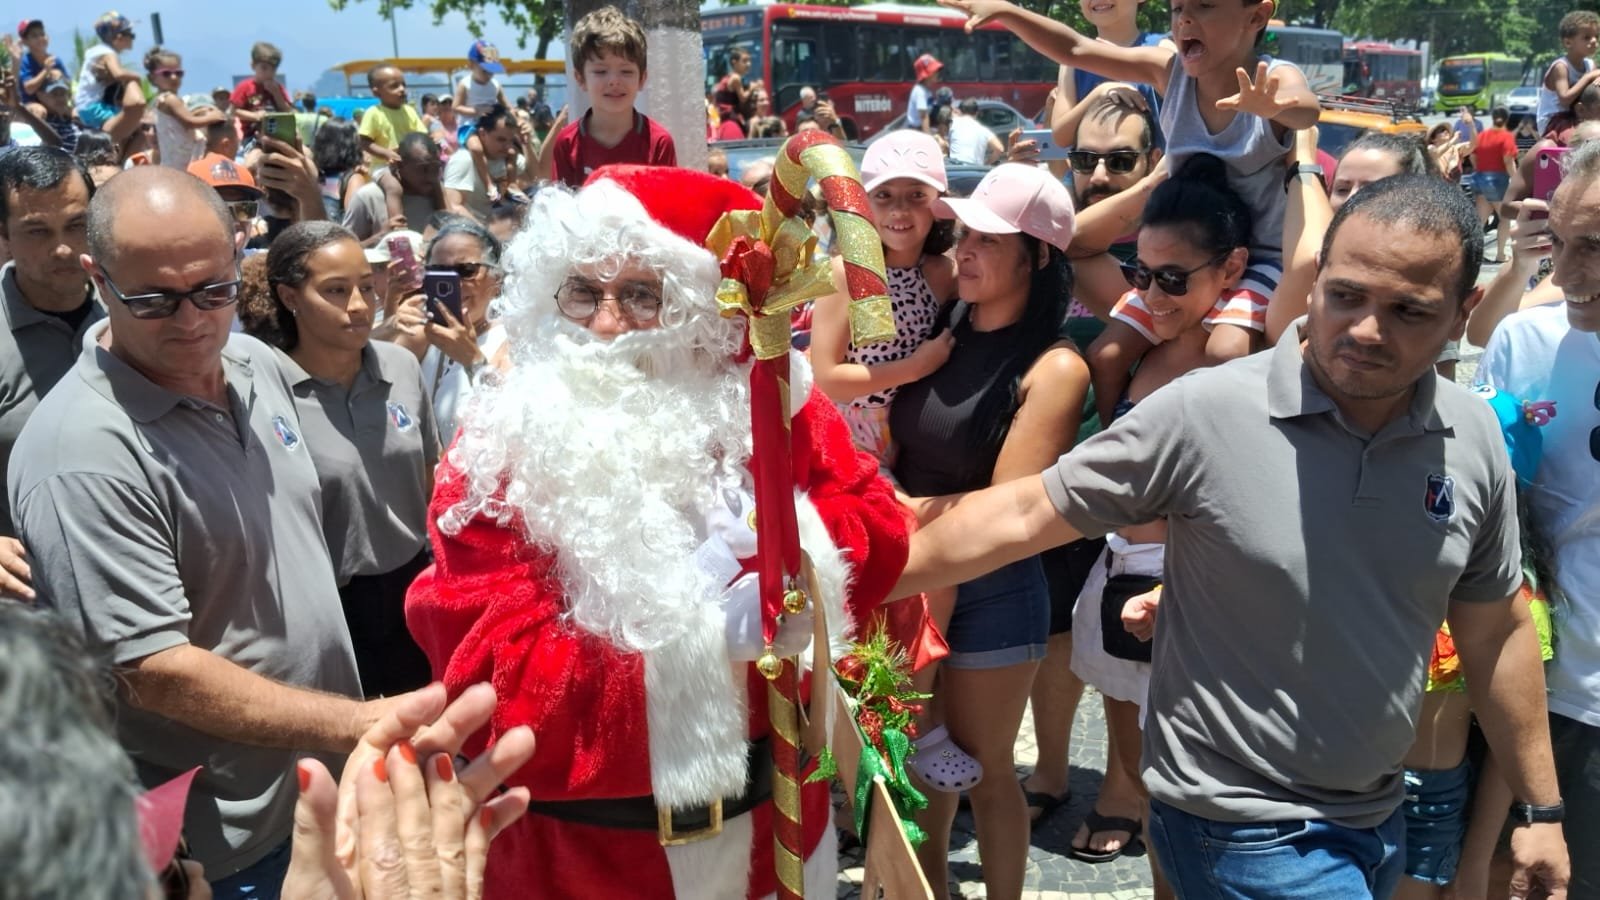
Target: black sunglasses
(1173, 283)
(467, 269)
(163, 304)
(1118, 162)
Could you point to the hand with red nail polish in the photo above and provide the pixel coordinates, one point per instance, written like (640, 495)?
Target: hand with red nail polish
(406, 824)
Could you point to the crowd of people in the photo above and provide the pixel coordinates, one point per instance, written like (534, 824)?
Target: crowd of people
(1174, 418)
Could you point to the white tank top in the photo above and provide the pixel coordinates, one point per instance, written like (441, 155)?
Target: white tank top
(1549, 101)
(481, 97)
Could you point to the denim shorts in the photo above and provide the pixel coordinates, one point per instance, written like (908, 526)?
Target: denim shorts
(1001, 619)
(1436, 821)
(1491, 186)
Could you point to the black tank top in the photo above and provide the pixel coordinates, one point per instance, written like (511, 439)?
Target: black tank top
(937, 421)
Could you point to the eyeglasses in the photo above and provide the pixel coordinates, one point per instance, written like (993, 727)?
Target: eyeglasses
(242, 211)
(580, 301)
(467, 269)
(1118, 162)
(1173, 283)
(163, 304)
(168, 73)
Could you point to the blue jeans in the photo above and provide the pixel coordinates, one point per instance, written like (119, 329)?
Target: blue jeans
(1302, 860)
(263, 880)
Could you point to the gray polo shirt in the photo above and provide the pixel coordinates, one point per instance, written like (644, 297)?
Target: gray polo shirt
(36, 349)
(374, 445)
(1308, 567)
(156, 520)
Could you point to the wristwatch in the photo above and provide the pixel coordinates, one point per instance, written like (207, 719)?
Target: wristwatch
(1298, 169)
(1528, 814)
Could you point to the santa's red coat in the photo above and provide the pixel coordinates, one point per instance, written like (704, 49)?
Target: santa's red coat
(490, 609)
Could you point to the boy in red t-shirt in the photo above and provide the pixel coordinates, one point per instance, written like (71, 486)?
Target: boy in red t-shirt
(1494, 157)
(608, 54)
(261, 94)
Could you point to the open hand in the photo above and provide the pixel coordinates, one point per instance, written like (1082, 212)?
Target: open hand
(979, 12)
(1258, 96)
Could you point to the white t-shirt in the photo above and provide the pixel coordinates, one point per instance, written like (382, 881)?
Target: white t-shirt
(180, 144)
(449, 385)
(481, 97)
(91, 89)
(1536, 356)
(969, 141)
(917, 108)
(461, 175)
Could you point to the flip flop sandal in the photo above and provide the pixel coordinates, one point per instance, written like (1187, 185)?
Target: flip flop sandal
(1041, 805)
(942, 765)
(1098, 824)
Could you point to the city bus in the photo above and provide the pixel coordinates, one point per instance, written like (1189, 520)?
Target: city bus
(1477, 80)
(1319, 52)
(1381, 71)
(861, 57)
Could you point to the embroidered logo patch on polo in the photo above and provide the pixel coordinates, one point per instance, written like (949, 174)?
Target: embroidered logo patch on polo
(1440, 500)
(286, 435)
(400, 417)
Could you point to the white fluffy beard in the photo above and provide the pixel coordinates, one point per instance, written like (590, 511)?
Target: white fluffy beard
(609, 453)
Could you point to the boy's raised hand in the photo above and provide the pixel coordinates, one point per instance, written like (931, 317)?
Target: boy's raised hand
(1259, 97)
(978, 11)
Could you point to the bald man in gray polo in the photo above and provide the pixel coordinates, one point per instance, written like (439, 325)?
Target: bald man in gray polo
(172, 510)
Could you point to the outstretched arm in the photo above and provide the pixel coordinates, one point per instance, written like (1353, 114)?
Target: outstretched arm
(1065, 45)
(981, 532)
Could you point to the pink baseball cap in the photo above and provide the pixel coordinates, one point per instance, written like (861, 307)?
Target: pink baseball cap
(1013, 198)
(160, 812)
(904, 154)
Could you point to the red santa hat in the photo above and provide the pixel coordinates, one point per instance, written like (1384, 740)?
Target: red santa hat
(686, 202)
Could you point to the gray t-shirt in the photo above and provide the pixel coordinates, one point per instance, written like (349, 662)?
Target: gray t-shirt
(36, 349)
(1308, 567)
(156, 520)
(369, 213)
(375, 446)
(1254, 155)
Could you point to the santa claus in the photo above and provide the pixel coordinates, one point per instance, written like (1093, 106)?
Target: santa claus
(593, 543)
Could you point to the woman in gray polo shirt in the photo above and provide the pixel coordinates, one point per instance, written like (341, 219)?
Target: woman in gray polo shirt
(368, 425)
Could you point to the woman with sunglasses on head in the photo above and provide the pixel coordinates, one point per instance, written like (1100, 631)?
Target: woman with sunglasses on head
(1003, 406)
(369, 428)
(1193, 249)
(178, 142)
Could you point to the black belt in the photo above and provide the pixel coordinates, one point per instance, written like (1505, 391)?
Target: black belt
(676, 826)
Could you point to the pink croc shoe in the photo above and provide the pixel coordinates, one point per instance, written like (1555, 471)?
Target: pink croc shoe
(942, 765)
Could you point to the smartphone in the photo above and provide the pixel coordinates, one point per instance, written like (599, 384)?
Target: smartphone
(281, 126)
(1048, 148)
(442, 287)
(404, 257)
(1547, 172)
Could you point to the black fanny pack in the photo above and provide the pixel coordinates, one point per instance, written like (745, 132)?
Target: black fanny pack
(1113, 636)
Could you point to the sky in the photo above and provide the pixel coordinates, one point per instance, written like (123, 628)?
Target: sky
(214, 36)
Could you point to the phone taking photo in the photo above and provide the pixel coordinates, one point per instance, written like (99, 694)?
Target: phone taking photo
(281, 126)
(404, 257)
(1547, 172)
(442, 287)
(1048, 148)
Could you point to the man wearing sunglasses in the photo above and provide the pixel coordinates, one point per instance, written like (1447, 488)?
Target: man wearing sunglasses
(1551, 354)
(171, 510)
(1329, 502)
(44, 204)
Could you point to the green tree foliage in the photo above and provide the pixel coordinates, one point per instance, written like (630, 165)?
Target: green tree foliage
(541, 20)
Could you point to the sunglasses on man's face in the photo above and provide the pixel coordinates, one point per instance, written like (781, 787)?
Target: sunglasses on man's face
(1173, 282)
(1118, 162)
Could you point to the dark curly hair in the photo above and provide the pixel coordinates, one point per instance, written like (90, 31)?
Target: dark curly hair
(337, 148)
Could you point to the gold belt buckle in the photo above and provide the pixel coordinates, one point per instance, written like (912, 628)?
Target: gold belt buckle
(671, 838)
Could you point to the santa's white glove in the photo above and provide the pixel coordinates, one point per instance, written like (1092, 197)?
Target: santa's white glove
(741, 603)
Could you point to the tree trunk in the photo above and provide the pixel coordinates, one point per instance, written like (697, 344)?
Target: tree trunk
(674, 93)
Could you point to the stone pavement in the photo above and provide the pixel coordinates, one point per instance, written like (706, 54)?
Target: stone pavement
(1052, 874)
